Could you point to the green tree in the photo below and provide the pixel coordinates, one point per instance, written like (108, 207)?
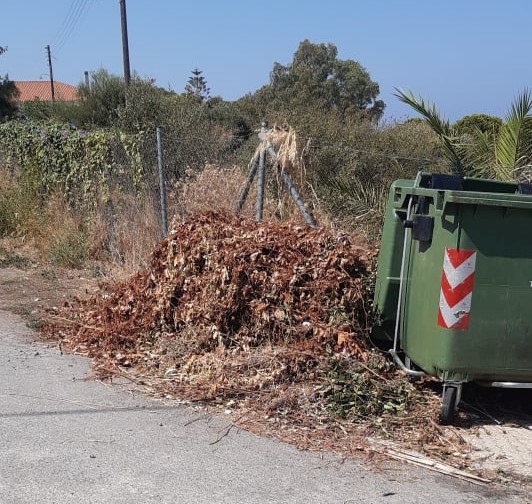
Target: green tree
(38, 110)
(230, 120)
(197, 86)
(107, 102)
(8, 94)
(467, 125)
(317, 80)
(441, 126)
(145, 106)
(501, 156)
(101, 100)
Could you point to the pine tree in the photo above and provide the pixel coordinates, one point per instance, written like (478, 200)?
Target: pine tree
(197, 85)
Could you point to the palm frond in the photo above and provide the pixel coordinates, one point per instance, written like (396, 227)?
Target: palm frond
(521, 106)
(439, 125)
(363, 200)
(507, 144)
(478, 150)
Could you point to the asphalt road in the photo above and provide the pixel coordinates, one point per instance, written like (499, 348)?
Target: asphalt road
(66, 439)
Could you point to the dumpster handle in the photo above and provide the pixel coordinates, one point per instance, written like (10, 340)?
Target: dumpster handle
(393, 351)
(402, 366)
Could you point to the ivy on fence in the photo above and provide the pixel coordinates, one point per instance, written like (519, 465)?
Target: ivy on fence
(78, 163)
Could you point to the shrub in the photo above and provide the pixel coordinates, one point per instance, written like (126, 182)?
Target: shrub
(69, 249)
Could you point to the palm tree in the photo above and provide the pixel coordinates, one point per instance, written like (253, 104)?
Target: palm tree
(500, 156)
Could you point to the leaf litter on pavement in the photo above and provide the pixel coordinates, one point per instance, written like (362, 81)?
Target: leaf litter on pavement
(268, 322)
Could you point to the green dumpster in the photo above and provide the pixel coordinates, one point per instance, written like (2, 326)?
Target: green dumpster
(454, 282)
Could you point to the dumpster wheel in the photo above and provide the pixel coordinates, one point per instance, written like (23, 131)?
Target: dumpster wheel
(448, 405)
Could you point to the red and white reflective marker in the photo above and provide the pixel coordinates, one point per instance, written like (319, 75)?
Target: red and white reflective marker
(456, 288)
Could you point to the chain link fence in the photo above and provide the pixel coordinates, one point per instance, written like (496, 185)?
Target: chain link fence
(170, 177)
(182, 175)
(135, 185)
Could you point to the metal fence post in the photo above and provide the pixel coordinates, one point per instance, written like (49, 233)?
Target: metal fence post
(261, 177)
(292, 190)
(251, 175)
(260, 187)
(162, 184)
(297, 198)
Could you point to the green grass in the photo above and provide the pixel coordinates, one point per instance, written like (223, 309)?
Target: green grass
(69, 249)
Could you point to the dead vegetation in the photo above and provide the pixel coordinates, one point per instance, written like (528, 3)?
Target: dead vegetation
(268, 321)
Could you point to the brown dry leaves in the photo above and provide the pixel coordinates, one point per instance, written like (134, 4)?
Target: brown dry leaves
(234, 312)
(221, 283)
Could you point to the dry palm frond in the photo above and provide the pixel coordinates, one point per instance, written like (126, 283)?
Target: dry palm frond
(285, 144)
(287, 154)
(524, 173)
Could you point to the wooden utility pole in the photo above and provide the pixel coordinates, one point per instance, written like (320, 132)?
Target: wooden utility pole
(125, 44)
(51, 72)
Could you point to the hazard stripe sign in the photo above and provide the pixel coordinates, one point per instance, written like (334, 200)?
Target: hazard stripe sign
(456, 288)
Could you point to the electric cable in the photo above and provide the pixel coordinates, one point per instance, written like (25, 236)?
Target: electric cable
(77, 9)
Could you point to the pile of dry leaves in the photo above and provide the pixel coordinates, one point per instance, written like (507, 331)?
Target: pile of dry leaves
(267, 320)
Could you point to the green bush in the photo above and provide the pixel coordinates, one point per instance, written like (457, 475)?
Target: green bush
(350, 392)
(69, 249)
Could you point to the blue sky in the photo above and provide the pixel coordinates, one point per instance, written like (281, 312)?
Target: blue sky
(466, 56)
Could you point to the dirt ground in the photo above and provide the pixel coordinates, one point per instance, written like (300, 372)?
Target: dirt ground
(499, 438)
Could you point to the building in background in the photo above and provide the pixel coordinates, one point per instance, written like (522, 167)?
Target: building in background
(41, 91)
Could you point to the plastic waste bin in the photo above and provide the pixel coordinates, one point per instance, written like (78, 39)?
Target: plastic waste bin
(454, 282)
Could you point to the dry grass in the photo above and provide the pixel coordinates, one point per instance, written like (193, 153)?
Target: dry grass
(124, 229)
(213, 189)
(217, 189)
(125, 232)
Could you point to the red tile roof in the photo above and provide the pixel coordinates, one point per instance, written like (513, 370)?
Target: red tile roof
(41, 90)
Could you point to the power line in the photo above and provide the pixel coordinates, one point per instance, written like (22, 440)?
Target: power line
(70, 22)
(67, 20)
(74, 14)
